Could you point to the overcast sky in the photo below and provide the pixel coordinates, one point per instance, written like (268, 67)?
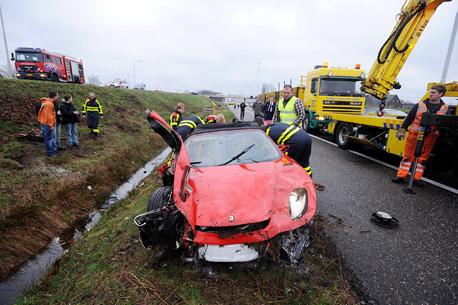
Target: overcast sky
(203, 44)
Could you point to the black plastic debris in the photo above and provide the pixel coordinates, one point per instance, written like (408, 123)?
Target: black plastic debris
(385, 220)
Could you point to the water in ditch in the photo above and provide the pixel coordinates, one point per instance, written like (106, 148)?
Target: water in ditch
(36, 268)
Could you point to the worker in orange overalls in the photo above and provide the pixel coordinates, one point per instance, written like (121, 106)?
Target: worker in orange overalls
(432, 105)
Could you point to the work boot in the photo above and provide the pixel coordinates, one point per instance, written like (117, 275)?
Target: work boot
(397, 180)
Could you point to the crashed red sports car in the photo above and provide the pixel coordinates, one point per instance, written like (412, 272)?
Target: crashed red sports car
(230, 195)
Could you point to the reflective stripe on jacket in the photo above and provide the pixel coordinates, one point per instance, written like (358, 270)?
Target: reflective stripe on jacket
(287, 113)
(92, 106)
(422, 109)
(175, 119)
(192, 121)
(281, 139)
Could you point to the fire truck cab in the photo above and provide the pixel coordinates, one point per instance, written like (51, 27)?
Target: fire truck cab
(41, 64)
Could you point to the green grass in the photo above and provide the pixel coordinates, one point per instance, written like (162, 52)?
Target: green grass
(31, 189)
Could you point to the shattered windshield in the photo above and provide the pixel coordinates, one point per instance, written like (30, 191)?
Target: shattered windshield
(217, 148)
(340, 87)
(30, 57)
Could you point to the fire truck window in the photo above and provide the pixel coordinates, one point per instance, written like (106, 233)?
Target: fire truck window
(47, 58)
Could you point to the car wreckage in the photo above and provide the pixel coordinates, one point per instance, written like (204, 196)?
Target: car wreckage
(229, 194)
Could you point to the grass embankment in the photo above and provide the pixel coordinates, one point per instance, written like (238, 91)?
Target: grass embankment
(109, 266)
(41, 197)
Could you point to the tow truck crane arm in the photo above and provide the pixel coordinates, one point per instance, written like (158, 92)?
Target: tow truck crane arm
(412, 20)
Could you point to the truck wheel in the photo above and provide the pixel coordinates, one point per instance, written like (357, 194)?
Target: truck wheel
(306, 123)
(159, 198)
(54, 78)
(341, 135)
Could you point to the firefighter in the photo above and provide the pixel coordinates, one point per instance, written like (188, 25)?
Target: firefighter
(433, 105)
(176, 116)
(298, 143)
(289, 109)
(188, 125)
(218, 118)
(94, 112)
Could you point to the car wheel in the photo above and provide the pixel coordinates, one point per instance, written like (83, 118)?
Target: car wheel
(306, 123)
(342, 135)
(159, 198)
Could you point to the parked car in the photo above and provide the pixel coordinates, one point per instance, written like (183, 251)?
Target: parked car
(229, 195)
(119, 84)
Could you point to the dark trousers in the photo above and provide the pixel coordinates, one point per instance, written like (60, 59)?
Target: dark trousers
(93, 119)
(300, 148)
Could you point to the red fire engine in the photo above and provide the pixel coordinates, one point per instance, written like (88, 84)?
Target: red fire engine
(36, 63)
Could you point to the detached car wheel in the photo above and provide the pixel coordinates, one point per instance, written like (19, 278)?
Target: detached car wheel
(343, 131)
(159, 198)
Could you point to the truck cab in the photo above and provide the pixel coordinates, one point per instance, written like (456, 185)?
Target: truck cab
(329, 90)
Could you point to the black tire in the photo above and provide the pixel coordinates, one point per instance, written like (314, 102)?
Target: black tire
(54, 78)
(159, 198)
(306, 122)
(341, 135)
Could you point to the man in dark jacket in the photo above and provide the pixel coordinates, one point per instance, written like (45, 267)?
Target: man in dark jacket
(70, 118)
(298, 142)
(94, 112)
(56, 131)
(188, 125)
(242, 110)
(269, 109)
(257, 108)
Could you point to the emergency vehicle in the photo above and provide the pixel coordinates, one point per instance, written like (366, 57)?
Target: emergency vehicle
(41, 64)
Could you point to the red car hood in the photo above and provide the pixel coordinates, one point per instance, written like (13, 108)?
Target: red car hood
(233, 195)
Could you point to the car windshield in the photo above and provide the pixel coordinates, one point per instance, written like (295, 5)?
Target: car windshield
(31, 57)
(340, 87)
(237, 146)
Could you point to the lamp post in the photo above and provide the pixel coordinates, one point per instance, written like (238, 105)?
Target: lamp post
(257, 76)
(135, 61)
(6, 46)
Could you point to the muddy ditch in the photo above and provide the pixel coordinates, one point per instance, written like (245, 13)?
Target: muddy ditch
(36, 268)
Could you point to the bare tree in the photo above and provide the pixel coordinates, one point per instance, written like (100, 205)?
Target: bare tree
(94, 80)
(267, 88)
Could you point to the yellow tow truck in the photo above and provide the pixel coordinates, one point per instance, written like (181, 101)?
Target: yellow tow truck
(334, 103)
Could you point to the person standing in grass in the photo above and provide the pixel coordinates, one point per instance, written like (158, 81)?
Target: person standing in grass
(70, 118)
(94, 112)
(47, 120)
(56, 130)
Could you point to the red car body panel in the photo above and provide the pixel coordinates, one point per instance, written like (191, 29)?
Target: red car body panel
(231, 195)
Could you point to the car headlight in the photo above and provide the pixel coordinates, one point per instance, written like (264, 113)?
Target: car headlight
(297, 203)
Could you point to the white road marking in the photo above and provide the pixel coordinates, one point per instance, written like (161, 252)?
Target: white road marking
(435, 183)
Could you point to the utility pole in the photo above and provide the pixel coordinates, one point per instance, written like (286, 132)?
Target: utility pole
(6, 46)
(450, 50)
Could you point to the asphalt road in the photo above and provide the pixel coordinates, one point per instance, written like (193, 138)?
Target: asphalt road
(416, 263)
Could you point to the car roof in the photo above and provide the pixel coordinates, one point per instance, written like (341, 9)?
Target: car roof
(212, 127)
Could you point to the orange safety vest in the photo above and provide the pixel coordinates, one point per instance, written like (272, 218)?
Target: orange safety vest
(415, 127)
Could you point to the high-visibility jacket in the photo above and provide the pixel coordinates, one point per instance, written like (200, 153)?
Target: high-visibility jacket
(415, 127)
(287, 112)
(175, 119)
(92, 106)
(188, 125)
(281, 136)
(210, 119)
(298, 141)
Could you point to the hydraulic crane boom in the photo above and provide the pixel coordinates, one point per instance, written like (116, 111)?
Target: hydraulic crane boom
(412, 20)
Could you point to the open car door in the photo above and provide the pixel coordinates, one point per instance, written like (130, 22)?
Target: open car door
(169, 135)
